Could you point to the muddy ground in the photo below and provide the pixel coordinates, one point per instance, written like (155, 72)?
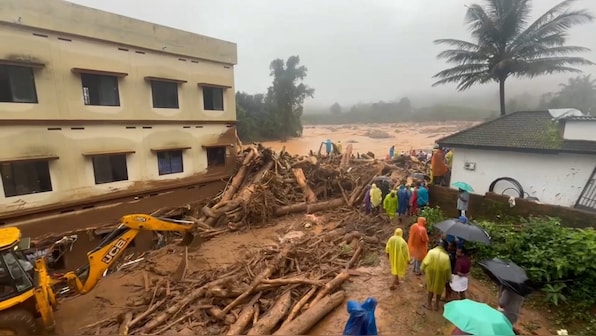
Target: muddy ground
(398, 312)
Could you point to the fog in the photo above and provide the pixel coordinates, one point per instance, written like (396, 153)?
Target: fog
(355, 50)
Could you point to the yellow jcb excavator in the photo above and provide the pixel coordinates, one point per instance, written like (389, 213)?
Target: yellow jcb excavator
(27, 290)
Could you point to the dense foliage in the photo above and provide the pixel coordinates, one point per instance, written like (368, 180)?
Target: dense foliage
(558, 260)
(506, 45)
(578, 93)
(393, 112)
(277, 114)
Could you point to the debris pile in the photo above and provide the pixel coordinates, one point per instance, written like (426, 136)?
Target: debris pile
(284, 288)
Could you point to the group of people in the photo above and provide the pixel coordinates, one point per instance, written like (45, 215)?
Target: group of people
(331, 147)
(446, 268)
(441, 163)
(405, 200)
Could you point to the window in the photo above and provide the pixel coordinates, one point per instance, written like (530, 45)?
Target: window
(14, 278)
(165, 94)
(216, 156)
(23, 178)
(213, 98)
(17, 84)
(100, 90)
(110, 168)
(169, 162)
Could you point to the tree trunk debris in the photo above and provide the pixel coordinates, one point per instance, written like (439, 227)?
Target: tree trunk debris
(281, 289)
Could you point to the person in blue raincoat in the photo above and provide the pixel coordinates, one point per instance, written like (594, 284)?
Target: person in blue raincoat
(391, 152)
(362, 318)
(328, 146)
(403, 200)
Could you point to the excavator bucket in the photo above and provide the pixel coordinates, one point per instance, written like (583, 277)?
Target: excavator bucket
(191, 239)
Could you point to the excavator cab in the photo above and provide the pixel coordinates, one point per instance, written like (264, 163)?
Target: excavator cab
(25, 288)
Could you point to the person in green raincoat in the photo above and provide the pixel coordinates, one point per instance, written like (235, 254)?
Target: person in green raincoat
(390, 204)
(376, 198)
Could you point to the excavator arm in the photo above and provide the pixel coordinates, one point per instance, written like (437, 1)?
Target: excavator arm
(113, 245)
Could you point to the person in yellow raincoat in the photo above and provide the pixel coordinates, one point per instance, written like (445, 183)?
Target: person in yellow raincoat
(399, 256)
(376, 198)
(437, 270)
(390, 204)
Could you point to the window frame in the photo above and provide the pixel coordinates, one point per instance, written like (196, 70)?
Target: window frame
(213, 88)
(169, 157)
(10, 83)
(155, 82)
(39, 176)
(209, 151)
(95, 163)
(98, 80)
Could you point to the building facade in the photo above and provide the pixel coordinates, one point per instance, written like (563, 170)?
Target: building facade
(544, 158)
(94, 105)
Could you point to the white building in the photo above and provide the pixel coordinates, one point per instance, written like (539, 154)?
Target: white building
(551, 157)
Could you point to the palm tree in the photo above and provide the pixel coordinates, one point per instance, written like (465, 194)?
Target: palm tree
(507, 46)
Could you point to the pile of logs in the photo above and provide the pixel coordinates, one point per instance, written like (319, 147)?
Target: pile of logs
(269, 184)
(283, 289)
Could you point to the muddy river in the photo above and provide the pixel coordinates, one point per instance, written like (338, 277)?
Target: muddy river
(376, 138)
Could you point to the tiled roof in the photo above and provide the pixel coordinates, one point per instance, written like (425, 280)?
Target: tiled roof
(585, 117)
(532, 131)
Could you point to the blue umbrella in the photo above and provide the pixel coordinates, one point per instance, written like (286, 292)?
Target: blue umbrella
(477, 318)
(463, 186)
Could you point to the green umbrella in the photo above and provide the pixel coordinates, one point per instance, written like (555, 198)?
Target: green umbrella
(477, 318)
(463, 186)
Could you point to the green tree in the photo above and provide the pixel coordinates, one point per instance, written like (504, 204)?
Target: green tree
(287, 94)
(505, 45)
(578, 92)
(335, 108)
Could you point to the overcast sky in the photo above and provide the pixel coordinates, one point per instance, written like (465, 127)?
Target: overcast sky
(355, 50)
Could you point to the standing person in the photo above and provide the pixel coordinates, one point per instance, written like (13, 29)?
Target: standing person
(437, 271)
(376, 198)
(390, 204)
(438, 166)
(340, 147)
(414, 200)
(328, 146)
(367, 204)
(403, 201)
(418, 243)
(399, 256)
(510, 304)
(463, 265)
(423, 197)
(449, 162)
(391, 152)
(463, 199)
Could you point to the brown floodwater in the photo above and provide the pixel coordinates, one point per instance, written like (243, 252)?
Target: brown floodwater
(376, 138)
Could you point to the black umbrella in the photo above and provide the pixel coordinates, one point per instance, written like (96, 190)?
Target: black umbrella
(467, 231)
(507, 274)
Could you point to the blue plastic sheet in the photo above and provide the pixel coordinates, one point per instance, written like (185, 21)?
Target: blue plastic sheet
(362, 318)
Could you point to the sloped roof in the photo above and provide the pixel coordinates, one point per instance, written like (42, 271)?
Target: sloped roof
(527, 131)
(584, 117)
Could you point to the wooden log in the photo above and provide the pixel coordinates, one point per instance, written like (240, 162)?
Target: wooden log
(266, 324)
(124, 320)
(182, 302)
(309, 195)
(309, 208)
(303, 323)
(345, 157)
(292, 281)
(265, 274)
(355, 257)
(296, 309)
(240, 175)
(330, 286)
(245, 317)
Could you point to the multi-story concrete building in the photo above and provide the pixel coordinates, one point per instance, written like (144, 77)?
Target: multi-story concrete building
(95, 105)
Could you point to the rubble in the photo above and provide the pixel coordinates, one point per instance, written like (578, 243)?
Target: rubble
(284, 288)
